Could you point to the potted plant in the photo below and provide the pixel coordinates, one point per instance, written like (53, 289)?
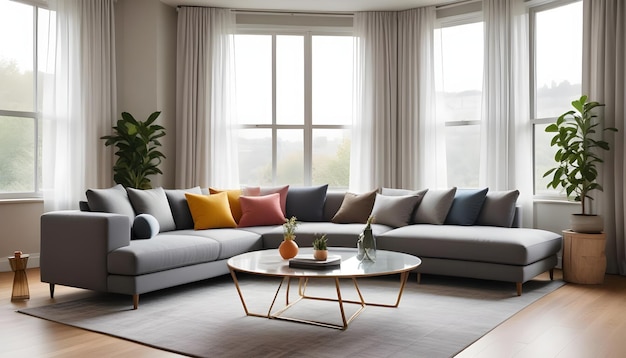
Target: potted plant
(138, 154)
(577, 158)
(320, 247)
(288, 248)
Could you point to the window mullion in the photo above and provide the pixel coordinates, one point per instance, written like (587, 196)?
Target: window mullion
(274, 129)
(308, 108)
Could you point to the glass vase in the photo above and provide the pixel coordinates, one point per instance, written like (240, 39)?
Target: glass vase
(366, 246)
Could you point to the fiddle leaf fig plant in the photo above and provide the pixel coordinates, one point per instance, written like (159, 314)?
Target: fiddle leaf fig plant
(576, 136)
(138, 154)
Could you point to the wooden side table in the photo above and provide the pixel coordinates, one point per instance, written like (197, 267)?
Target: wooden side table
(584, 258)
(20, 281)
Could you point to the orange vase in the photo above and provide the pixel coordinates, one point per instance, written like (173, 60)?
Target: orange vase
(288, 249)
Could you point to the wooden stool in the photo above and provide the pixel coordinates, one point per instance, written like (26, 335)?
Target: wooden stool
(584, 258)
(20, 281)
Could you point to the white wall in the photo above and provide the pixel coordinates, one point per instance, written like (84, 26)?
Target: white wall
(19, 230)
(146, 70)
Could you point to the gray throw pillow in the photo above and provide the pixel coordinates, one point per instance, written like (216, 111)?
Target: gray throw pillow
(466, 206)
(111, 200)
(153, 202)
(434, 207)
(306, 203)
(355, 208)
(397, 192)
(180, 207)
(395, 210)
(498, 209)
(145, 226)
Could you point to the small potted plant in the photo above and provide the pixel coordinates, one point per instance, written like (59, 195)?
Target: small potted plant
(320, 247)
(577, 157)
(288, 248)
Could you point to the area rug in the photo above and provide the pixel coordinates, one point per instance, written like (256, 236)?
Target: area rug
(437, 318)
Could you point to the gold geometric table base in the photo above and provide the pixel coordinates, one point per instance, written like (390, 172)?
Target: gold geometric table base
(20, 281)
(302, 283)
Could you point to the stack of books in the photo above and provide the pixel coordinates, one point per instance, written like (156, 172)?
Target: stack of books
(307, 261)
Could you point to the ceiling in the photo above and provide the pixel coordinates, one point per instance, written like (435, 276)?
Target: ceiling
(312, 5)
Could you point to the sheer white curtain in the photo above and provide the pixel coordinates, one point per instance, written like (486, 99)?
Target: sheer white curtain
(373, 154)
(79, 102)
(604, 79)
(506, 143)
(206, 152)
(420, 142)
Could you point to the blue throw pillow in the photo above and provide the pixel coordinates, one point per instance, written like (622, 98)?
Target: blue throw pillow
(306, 203)
(466, 206)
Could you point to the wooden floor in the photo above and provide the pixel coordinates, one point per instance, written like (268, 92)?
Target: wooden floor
(574, 321)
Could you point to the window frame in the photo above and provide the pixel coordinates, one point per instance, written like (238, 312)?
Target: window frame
(307, 127)
(472, 16)
(35, 115)
(534, 121)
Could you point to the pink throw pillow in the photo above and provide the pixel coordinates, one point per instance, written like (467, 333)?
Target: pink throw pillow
(259, 191)
(261, 210)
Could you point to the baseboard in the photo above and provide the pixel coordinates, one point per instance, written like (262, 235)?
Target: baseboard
(33, 261)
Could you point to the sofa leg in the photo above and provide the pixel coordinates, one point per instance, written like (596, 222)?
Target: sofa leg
(52, 290)
(135, 301)
(518, 285)
(552, 274)
(419, 278)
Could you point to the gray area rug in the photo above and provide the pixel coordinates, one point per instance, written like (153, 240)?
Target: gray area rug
(437, 318)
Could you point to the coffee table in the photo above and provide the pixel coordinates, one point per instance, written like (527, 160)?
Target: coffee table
(270, 263)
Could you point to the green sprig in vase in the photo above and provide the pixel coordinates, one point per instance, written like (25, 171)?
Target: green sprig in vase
(366, 244)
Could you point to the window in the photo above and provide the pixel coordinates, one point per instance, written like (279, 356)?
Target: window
(458, 84)
(21, 78)
(294, 106)
(556, 69)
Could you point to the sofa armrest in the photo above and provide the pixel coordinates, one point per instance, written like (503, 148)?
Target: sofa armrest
(75, 246)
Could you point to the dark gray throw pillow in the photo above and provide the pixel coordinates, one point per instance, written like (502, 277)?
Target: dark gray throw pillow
(110, 200)
(306, 203)
(466, 206)
(498, 208)
(153, 202)
(180, 207)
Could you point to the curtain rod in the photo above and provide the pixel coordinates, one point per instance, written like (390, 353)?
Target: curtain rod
(291, 13)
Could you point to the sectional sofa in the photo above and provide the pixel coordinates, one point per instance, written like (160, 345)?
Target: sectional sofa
(131, 241)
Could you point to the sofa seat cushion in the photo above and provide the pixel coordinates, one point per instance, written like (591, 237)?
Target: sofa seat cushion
(180, 248)
(512, 246)
(339, 235)
(232, 241)
(162, 252)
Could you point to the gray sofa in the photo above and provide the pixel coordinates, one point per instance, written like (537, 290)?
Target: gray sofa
(103, 251)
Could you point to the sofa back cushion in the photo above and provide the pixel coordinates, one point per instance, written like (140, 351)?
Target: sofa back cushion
(355, 208)
(434, 207)
(395, 210)
(306, 203)
(153, 202)
(179, 206)
(261, 210)
(499, 209)
(233, 200)
(111, 200)
(466, 206)
(210, 211)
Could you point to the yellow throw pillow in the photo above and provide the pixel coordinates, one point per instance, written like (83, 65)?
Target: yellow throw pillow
(233, 201)
(210, 211)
